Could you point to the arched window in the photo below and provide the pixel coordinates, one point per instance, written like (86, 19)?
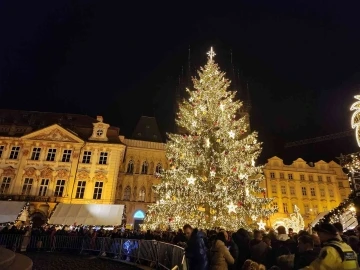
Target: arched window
(144, 168)
(127, 194)
(158, 168)
(142, 194)
(130, 167)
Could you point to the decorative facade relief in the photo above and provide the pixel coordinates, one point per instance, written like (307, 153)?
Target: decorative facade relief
(54, 135)
(100, 176)
(8, 171)
(30, 172)
(62, 174)
(46, 173)
(83, 175)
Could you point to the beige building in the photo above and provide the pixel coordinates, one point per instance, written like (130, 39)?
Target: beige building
(144, 159)
(47, 158)
(314, 188)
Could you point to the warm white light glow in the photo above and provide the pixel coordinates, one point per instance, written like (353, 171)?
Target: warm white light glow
(191, 180)
(261, 225)
(355, 119)
(211, 53)
(232, 208)
(232, 134)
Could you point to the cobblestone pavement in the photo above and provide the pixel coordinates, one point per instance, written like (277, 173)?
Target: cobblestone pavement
(60, 261)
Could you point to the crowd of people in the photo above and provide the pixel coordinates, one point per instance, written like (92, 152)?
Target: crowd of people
(326, 248)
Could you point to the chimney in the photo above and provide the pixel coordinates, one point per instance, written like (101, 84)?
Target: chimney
(99, 118)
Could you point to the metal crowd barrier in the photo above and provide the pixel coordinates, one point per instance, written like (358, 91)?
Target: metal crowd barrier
(155, 254)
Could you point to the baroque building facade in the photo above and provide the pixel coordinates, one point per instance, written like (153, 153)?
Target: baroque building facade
(314, 188)
(47, 158)
(144, 159)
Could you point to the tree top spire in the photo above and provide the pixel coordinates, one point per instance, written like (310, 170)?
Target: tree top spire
(211, 53)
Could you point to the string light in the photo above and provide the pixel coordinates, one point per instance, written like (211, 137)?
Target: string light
(227, 191)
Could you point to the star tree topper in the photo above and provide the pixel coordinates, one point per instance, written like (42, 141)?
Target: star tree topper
(211, 53)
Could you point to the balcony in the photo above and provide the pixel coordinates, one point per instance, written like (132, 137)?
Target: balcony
(27, 198)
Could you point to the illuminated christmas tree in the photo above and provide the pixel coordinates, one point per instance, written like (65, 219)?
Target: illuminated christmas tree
(212, 180)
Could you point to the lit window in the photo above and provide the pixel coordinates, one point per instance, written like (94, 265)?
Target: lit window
(103, 158)
(142, 194)
(43, 187)
(80, 190)
(14, 152)
(35, 155)
(66, 155)
(51, 154)
(86, 157)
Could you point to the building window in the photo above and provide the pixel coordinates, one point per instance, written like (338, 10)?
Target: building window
(282, 175)
(35, 155)
(315, 209)
(86, 157)
(290, 176)
(312, 191)
(27, 186)
(285, 206)
(303, 190)
(103, 158)
(144, 168)
(331, 193)
(5, 185)
(14, 152)
(66, 155)
(322, 192)
(307, 209)
(328, 179)
(98, 190)
(99, 132)
(158, 168)
(302, 177)
(273, 189)
(292, 191)
(80, 190)
(283, 190)
(142, 194)
(130, 167)
(272, 175)
(320, 178)
(311, 177)
(51, 154)
(59, 188)
(341, 185)
(127, 194)
(43, 187)
(275, 204)
(1, 150)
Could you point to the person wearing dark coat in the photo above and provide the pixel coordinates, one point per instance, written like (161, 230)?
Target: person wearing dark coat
(305, 254)
(195, 252)
(242, 240)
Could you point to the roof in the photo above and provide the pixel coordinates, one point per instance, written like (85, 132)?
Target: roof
(17, 123)
(147, 130)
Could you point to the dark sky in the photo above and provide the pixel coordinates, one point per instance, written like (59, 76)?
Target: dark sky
(122, 60)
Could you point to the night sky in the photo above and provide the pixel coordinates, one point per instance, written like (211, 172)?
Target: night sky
(123, 60)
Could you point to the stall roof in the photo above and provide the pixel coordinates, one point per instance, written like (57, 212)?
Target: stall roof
(87, 214)
(10, 210)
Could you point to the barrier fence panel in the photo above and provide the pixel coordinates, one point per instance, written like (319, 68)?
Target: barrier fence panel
(152, 253)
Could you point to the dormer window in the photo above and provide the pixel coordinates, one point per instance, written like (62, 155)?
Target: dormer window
(99, 132)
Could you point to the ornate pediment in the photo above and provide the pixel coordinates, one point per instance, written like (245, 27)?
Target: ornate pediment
(100, 176)
(30, 172)
(8, 171)
(62, 173)
(53, 133)
(46, 173)
(82, 175)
